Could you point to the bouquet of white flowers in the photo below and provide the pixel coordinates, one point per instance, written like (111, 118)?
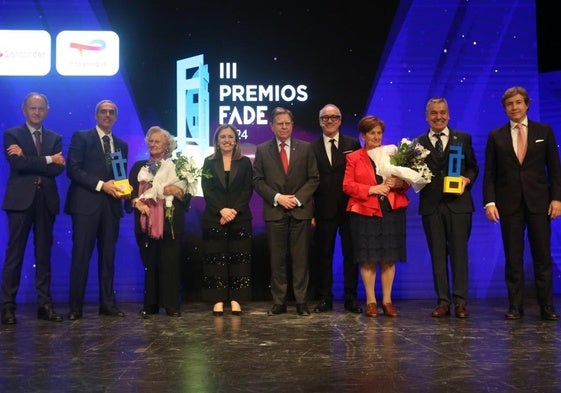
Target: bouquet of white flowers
(186, 170)
(406, 161)
(181, 171)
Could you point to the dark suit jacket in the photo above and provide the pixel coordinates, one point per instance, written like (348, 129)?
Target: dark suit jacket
(302, 178)
(235, 195)
(24, 170)
(329, 197)
(433, 193)
(537, 179)
(85, 168)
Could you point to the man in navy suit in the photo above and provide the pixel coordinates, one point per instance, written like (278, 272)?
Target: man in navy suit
(31, 200)
(447, 217)
(330, 214)
(93, 201)
(522, 190)
(285, 175)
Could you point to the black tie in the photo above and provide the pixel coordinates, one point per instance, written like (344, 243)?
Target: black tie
(107, 150)
(333, 151)
(438, 144)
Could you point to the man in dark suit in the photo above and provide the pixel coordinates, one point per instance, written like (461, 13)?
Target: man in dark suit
(93, 201)
(285, 175)
(522, 184)
(330, 213)
(31, 199)
(447, 216)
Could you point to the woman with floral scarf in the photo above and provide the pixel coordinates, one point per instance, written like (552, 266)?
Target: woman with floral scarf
(159, 200)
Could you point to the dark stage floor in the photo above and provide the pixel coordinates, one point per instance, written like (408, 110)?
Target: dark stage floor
(331, 352)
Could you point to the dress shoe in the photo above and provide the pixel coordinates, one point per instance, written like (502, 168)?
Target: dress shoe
(351, 306)
(237, 313)
(441, 311)
(323, 306)
(111, 312)
(514, 312)
(389, 310)
(74, 315)
(47, 313)
(8, 316)
(173, 312)
(548, 313)
(460, 311)
(149, 310)
(302, 309)
(371, 310)
(277, 309)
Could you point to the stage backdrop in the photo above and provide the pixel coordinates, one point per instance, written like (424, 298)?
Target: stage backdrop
(188, 67)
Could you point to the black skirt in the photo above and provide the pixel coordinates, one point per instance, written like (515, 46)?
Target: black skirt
(379, 239)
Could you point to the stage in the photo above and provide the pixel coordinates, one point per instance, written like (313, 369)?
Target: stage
(328, 352)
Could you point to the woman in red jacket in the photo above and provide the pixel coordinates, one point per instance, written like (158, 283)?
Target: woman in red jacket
(377, 217)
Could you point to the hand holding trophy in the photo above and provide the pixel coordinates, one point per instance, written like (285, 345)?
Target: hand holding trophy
(453, 183)
(120, 175)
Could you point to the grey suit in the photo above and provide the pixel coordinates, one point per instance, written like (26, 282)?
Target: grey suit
(287, 229)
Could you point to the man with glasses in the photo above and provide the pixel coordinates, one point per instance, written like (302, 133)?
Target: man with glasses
(93, 201)
(330, 214)
(285, 175)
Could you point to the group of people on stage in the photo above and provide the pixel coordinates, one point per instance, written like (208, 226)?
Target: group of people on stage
(311, 192)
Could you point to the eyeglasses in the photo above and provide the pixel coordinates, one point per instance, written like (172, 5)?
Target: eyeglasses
(326, 118)
(283, 123)
(107, 111)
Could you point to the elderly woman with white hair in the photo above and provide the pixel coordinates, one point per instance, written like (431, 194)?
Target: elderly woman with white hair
(159, 223)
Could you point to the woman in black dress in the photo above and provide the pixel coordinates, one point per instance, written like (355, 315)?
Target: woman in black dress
(227, 223)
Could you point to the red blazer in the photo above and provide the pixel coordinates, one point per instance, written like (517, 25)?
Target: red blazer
(359, 177)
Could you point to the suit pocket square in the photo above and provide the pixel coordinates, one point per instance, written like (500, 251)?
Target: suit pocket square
(539, 140)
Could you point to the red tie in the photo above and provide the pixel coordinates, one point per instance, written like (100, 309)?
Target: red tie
(284, 157)
(521, 143)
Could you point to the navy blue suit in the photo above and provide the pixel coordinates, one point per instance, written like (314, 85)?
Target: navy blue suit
(28, 203)
(95, 217)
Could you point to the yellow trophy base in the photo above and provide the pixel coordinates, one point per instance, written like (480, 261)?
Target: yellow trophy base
(453, 185)
(125, 188)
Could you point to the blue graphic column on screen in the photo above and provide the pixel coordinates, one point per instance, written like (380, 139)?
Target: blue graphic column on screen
(192, 102)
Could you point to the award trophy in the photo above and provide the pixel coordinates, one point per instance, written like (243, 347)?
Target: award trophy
(453, 182)
(120, 175)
